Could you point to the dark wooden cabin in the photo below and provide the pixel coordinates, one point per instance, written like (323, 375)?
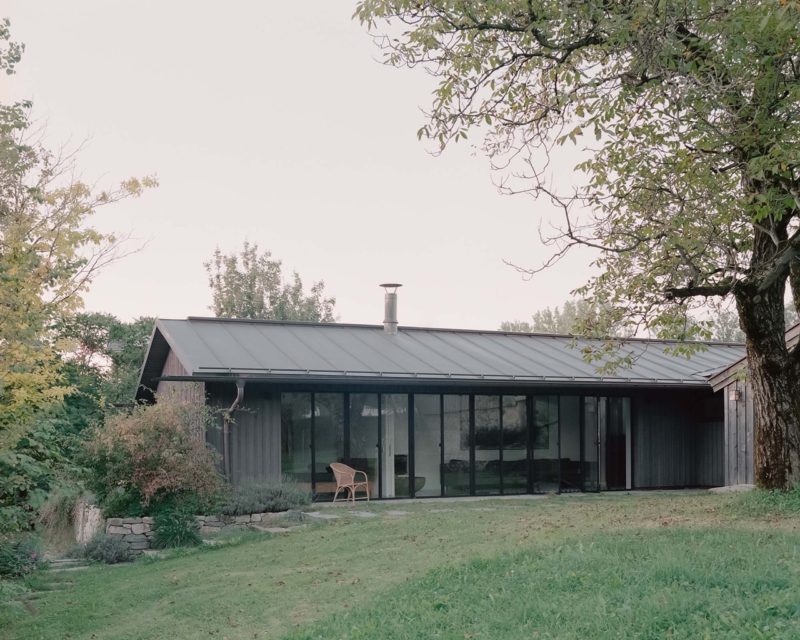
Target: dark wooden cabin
(440, 412)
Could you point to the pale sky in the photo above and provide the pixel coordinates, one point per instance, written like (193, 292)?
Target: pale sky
(274, 122)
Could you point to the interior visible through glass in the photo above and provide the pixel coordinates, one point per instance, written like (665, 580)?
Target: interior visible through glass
(427, 452)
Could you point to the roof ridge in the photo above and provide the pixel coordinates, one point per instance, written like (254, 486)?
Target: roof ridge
(534, 334)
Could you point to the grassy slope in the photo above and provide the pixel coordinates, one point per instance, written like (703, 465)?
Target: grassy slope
(619, 561)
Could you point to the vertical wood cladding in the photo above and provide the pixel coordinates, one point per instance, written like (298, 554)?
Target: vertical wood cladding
(678, 440)
(255, 432)
(256, 439)
(179, 390)
(739, 427)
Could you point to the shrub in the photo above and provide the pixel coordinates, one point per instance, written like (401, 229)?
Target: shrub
(259, 498)
(108, 549)
(57, 511)
(175, 527)
(151, 455)
(122, 503)
(19, 556)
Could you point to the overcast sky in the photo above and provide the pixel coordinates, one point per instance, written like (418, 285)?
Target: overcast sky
(273, 122)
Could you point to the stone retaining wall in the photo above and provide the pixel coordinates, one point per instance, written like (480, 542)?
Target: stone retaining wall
(138, 532)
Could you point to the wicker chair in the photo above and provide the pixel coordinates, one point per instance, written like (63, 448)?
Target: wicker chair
(346, 480)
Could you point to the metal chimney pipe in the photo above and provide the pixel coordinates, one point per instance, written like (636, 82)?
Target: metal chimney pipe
(390, 307)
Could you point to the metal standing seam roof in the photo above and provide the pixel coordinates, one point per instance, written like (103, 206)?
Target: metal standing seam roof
(213, 348)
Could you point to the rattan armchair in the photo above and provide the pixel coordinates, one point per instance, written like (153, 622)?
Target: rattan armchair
(346, 481)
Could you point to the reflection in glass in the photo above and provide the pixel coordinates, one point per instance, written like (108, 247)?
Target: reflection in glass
(515, 445)
(394, 445)
(617, 430)
(544, 449)
(296, 438)
(570, 437)
(427, 452)
(364, 437)
(591, 442)
(487, 444)
(328, 440)
(455, 475)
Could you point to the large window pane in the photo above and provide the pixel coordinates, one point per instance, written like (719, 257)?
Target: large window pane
(515, 445)
(618, 424)
(427, 452)
(570, 435)
(591, 444)
(456, 445)
(544, 445)
(394, 445)
(328, 440)
(487, 444)
(296, 438)
(364, 437)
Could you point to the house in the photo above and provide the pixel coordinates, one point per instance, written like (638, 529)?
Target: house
(441, 412)
(737, 395)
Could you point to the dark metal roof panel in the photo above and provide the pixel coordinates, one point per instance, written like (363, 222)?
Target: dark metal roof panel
(208, 346)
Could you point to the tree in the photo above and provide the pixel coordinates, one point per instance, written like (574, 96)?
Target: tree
(691, 189)
(251, 285)
(49, 254)
(109, 351)
(725, 325)
(565, 320)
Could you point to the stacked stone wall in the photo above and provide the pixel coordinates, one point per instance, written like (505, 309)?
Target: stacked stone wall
(138, 532)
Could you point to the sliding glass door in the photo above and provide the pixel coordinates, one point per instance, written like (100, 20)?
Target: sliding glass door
(426, 445)
(364, 435)
(515, 444)
(394, 427)
(456, 446)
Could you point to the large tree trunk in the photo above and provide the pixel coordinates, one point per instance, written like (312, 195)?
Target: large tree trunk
(776, 388)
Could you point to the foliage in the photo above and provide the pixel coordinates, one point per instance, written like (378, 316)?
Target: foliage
(10, 51)
(175, 527)
(48, 255)
(19, 556)
(43, 459)
(107, 549)
(122, 502)
(763, 503)
(688, 118)
(567, 320)
(154, 452)
(725, 325)
(262, 498)
(251, 285)
(57, 511)
(109, 352)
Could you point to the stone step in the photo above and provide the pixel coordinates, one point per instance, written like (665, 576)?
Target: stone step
(65, 562)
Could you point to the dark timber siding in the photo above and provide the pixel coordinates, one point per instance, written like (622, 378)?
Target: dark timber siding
(255, 433)
(182, 391)
(256, 440)
(677, 440)
(739, 423)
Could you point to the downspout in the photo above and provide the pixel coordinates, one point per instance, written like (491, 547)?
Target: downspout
(226, 428)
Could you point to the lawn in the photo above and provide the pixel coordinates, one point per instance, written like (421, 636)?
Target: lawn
(647, 565)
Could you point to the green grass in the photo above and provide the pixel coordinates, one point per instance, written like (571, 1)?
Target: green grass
(767, 503)
(680, 565)
(677, 584)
